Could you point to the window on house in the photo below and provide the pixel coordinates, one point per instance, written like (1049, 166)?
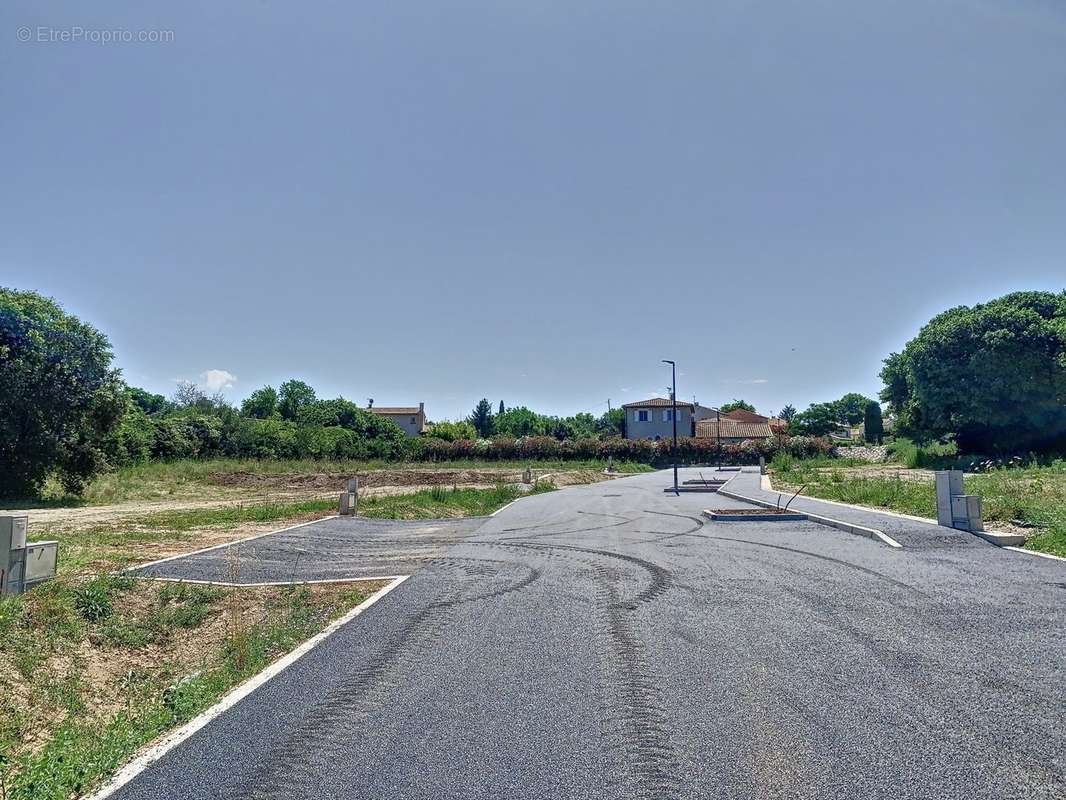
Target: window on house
(642, 416)
(412, 420)
(668, 415)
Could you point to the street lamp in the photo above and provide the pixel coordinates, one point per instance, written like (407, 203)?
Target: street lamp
(673, 415)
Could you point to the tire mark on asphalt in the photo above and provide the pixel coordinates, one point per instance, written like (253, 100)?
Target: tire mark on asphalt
(327, 728)
(636, 726)
(839, 561)
(557, 533)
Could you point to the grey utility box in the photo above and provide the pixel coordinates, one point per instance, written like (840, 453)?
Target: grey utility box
(23, 565)
(12, 552)
(953, 508)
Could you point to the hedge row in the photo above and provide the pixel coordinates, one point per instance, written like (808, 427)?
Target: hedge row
(690, 450)
(142, 438)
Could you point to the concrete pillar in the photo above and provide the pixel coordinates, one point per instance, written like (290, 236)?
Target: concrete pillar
(948, 484)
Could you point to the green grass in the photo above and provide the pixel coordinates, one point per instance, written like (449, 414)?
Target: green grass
(1034, 495)
(191, 479)
(82, 750)
(440, 502)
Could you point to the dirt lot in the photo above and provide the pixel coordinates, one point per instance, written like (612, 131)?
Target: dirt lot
(250, 487)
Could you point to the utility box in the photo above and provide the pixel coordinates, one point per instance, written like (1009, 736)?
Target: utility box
(39, 564)
(13, 528)
(953, 508)
(349, 504)
(23, 565)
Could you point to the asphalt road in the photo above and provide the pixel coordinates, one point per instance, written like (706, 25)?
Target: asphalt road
(605, 641)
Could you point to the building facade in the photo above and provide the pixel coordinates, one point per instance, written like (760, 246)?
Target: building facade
(653, 419)
(412, 420)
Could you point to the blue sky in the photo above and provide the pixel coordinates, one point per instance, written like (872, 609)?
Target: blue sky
(535, 202)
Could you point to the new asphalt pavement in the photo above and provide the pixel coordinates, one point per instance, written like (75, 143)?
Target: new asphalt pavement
(608, 641)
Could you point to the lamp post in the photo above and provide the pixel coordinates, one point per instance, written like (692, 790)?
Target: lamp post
(718, 436)
(673, 415)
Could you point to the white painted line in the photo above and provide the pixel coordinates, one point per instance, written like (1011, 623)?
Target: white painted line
(228, 544)
(504, 508)
(174, 738)
(268, 583)
(1033, 552)
(847, 527)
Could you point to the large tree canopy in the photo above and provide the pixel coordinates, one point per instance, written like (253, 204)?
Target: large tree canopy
(59, 396)
(993, 375)
(735, 404)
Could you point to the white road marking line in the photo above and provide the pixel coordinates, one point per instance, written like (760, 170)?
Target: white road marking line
(228, 544)
(176, 737)
(503, 508)
(269, 583)
(1033, 553)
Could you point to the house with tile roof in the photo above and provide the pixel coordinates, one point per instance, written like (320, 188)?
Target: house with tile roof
(732, 431)
(653, 418)
(412, 420)
(743, 415)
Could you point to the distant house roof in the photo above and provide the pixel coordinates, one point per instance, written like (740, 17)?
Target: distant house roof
(777, 425)
(657, 402)
(743, 415)
(397, 410)
(732, 429)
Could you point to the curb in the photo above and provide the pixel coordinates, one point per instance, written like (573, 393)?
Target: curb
(998, 538)
(1033, 553)
(847, 527)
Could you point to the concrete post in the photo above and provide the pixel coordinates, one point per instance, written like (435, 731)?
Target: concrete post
(948, 484)
(353, 491)
(527, 476)
(762, 465)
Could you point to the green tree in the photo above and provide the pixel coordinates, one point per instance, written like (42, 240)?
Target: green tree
(612, 423)
(293, 396)
(993, 375)
(482, 418)
(60, 399)
(521, 421)
(501, 407)
(260, 404)
(819, 419)
(873, 425)
(453, 431)
(787, 413)
(851, 408)
(149, 403)
(733, 406)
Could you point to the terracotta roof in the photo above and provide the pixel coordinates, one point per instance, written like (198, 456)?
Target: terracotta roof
(742, 415)
(732, 429)
(398, 410)
(658, 402)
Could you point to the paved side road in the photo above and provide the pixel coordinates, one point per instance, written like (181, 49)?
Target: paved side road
(605, 641)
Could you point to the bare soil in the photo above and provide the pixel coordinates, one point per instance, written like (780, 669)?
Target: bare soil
(262, 488)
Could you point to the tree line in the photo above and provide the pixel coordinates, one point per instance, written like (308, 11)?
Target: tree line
(992, 377)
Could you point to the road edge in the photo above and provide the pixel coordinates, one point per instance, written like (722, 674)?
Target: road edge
(998, 538)
(847, 527)
(172, 739)
(226, 544)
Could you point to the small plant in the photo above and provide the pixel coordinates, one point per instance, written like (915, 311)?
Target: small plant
(93, 600)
